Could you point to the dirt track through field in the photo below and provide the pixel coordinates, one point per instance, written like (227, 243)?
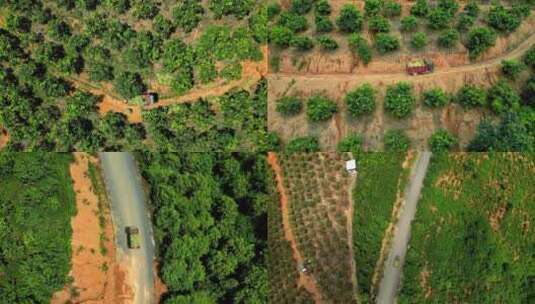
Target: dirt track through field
(513, 54)
(304, 279)
(349, 215)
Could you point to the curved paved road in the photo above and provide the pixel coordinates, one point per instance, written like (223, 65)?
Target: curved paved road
(128, 207)
(389, 284)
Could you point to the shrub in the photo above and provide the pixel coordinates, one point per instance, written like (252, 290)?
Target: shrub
(289, 106)
(146, 9)
(281, 36)
(435, 98)
(529, 57)
(361, 100)
(302, 43)
(448, 38)
(162, 26)
(323, 24)
(479, 40)
(360, 45)
(409, 24)
(303, 144)
(528, 92)
(392, 9)
(231, 71)
(419, 40)
(350, 19)
(323, 8)
(379, 24)
(512, 68)
(438, 19)
(372, 7)
(502, 19)
(351, 143)
(471, 8)
(521, 10)
(320, 108)
(470, 96)
(399, 99)
(100, 72)
(465, 22)
(301, 6)
(273, 9)
(502, 97)
(396, 141)
(442, 141)
(129, 85)
(449, 6)
(187, 14)
(420, 8)
(327, 43)
(296, 23)
(385, 43)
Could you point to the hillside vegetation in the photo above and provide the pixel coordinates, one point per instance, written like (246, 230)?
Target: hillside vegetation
(209, 215)
(36, 206)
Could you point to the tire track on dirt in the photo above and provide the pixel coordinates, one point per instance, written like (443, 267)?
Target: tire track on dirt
(349, 215)
(304, 280)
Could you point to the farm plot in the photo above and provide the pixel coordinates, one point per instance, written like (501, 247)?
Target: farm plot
(472, 239)
(318, 190)
(381, 177)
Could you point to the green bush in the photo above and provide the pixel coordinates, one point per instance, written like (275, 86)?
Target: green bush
(435, 98)
(302, 43)
(529, 57)
(409, 24)
(448, 38)
(438, 19)
(237, 8)
(470, 96)
(471, 8)
(302, 144)
(419, 40)
(323, 8)
(360, 45)
(512, 68)
(301, 7)
(361, 100)
(442, 141)
(129, 85)
(392, 9)
(350, 19)
(281, 36)
(385, 43)
(502, 97)
(503, 19)
(145, 9)
(373, 7)
(289, 106)
(187, 14)
(379, 24)
(323, 24)
(528, 92)
(320, 108)
(327, 43)
(231, 71)
(273, 9)
(479, 40)
(399, 99)
(420, 8)
(396, 141)
(296, 23)
(100, 72)
(351, 143)
(465, 22)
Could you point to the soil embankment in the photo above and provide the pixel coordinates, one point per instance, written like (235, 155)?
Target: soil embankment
(4, 138)
(304, 280)
(97, 278)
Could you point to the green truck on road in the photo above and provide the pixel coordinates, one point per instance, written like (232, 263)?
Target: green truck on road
(133, 238)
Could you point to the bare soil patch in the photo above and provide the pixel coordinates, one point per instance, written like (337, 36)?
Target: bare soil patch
(4, 138)
(97, 278)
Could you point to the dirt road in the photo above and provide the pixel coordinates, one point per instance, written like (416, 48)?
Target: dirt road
(389, 284)
(124, 187)
(513, 54)
(305, 280)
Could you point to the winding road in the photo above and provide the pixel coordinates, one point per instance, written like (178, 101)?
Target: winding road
(128, 207)
(389, 284)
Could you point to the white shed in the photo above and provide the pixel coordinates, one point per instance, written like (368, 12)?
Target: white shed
(351, 166)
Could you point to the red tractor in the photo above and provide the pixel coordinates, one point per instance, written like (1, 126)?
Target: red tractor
(420, 66)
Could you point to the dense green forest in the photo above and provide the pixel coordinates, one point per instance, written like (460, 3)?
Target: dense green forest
(53, 53)
(36, 206)
(472, 238)
(210, 218)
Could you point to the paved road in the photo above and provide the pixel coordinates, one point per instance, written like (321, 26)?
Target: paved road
(128, 208)
(388, 286)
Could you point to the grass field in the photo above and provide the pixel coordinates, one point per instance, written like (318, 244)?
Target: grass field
(472, 239)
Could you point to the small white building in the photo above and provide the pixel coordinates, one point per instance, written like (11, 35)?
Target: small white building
(351, 166)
